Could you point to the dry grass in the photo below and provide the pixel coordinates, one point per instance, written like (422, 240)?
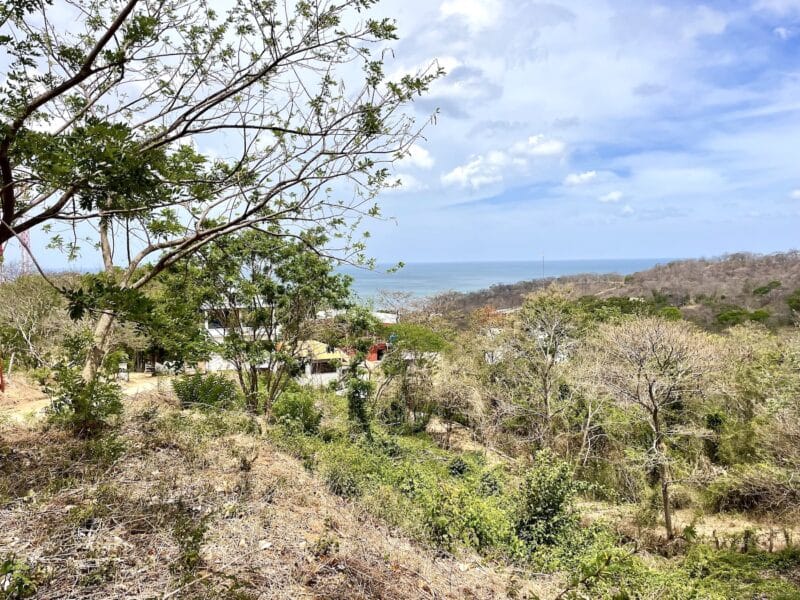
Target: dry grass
(118, 517)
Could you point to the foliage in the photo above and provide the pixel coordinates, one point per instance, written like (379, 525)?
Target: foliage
(763, 290)
(211, 390)
(737, 316)
(84, 407)
(544, 505)
(296, 409)
(17, 578)
(758, 488)
(262, 291)
(125, 174)
(794, 300)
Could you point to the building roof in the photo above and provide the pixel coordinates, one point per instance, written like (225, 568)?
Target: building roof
(316, 350)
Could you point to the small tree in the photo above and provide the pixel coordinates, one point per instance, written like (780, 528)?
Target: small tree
(529, 363)
(264, 291)
(658, 367)
(408, 367)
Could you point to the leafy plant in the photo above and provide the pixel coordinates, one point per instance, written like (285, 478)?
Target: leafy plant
(84, 407)
(213, 390)
(544, 504)
(296, 410)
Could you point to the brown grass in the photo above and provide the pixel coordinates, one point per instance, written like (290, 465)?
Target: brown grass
(98, 519)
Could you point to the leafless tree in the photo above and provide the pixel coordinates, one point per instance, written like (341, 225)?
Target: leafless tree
(658, 367)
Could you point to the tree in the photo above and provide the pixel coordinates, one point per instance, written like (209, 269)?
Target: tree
(409, 366)
(657, 367)
(149, 129)
(528, 372)
(264, 291)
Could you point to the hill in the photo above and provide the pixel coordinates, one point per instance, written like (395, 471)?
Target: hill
(703, 289)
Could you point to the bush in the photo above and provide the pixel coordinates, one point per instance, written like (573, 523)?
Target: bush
(544, 504)
(296, 410)
(794, 300)
(83, 407)
(452, 515)
(760, 488)
(212, 390)
(766, 289)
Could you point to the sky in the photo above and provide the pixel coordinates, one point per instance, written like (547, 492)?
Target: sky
(579, 129)
(598, 129)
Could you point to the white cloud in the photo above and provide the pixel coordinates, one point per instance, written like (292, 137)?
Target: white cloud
(478, 14)
(627, 210)
(795, 195)
(781, 7)
(478, 172)
(580, 178)
(408, 183)
(538, 145)
(492, 167)
(783, 32)
(418, 157)
(614, 196)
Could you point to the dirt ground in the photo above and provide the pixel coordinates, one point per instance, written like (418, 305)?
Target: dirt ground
(24, 400)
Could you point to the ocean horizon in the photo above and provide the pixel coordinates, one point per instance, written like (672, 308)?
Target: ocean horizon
(430, 278)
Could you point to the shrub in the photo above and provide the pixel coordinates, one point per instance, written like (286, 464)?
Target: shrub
(544, 503)
(296, 410)
(343, 481)
(794, 300)
(17, 579)
(761, 488)
(458, 467)
(212, 390)
(766, 289)
(452, 515)
(84, 407)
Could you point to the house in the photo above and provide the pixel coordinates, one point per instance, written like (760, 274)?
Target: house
(322, 364)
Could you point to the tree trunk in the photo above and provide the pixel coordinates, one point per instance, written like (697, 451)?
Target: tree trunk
(99, 347)
(664, 476)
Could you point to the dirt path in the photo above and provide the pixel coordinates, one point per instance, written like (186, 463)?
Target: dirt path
(24, 402)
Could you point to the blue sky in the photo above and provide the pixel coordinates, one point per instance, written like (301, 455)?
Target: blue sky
(580, 129)
(592, 129)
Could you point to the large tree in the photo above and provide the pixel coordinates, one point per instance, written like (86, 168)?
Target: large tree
(265, 292)
(657, 368)
(147, 128)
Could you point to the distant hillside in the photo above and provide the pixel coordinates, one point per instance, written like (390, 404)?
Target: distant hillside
(702, 288)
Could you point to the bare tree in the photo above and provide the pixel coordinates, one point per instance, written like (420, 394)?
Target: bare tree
(531, 356)
(658, 367)
(147, 128)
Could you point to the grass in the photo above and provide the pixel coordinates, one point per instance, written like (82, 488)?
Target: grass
(202, 503)
(455, 502)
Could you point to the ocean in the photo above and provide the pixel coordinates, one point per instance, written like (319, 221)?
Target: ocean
(427, 279)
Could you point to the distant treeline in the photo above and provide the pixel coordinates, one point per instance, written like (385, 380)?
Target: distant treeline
(713, 292)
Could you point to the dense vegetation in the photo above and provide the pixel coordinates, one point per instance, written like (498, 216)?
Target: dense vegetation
(601, 441)
(714, 293)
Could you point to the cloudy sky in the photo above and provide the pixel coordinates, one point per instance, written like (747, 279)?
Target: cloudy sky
(607, 129)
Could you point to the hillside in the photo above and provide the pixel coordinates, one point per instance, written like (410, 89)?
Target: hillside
(702, 288)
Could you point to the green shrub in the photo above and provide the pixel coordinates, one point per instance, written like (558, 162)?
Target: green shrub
(458, 467)
(794, 300)
(544, 503)
(17, 579)
(296, 410)
(766, 289)
(84, 407)
(213, 390)
(452, 515)
(343, 480)
(671, 313)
